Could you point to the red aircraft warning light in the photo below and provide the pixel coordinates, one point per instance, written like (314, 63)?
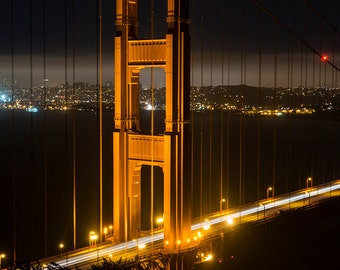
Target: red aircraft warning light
(324, 58)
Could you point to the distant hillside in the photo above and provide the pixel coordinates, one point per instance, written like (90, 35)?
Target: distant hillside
(250, 96)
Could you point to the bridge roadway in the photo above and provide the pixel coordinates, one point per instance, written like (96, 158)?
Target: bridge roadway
(207, 227)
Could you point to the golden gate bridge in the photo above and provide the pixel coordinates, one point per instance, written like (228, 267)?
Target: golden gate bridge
(219, 56)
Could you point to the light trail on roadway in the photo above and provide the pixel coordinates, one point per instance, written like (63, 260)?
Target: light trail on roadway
(266, 207)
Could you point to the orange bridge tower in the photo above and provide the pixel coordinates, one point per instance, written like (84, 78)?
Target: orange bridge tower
(172, 150)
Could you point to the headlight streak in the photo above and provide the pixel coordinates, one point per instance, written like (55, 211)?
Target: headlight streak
(260, 206)
(109, 250)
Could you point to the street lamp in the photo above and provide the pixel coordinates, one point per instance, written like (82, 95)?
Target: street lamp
(92, 238)
(61, 246)
(179, 245)
(221, 205)
(309, 182)
(105, 233)
(270, 189)
(160, 221)
(2, 256)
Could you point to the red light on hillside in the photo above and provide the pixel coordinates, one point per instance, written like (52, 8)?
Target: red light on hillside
(324, 58)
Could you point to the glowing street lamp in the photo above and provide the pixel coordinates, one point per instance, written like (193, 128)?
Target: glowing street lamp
(179, 245)
(309, 182)
(61, 246)
(188, 242)
(105, 233)
(206, 226)
(270, 189)
(221, 205)
(92, 238)
(160, 221)
(2, 256)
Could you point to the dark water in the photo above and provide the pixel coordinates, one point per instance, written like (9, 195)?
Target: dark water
(243, 155)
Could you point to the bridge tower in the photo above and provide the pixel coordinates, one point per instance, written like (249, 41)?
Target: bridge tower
(172, 150)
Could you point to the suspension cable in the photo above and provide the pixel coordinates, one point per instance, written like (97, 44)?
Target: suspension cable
(320, 16)
(293, 33)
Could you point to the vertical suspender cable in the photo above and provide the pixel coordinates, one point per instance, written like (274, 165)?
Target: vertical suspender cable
(275, 124)
(45, 130)
(244, 83)
(304, 144)
(228, 114)
(258, 176)
(333, 87)
(288, 122)
(222, 87)
(241, 128)
(152, 126)
(192, 114)
(74, 182)
(310, 152)
(306, 57)
(210, 115)
(320, 87)
(240, 131)
(66, 89)
(14, 201)
(201, 127)
(100, 122)
(31, 118)
(222, 133)
(307, 151)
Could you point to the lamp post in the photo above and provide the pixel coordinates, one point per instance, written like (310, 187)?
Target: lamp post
(221, 205)
(61, 246)
(309, 182)
(105, 233)
(188, 242)
(2, 256)
(160, 221)
(141, 246)
(270, 189)
(92, 238)
(179, 246)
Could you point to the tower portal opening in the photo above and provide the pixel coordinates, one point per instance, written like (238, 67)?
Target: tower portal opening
(152, 101)
(155, 216)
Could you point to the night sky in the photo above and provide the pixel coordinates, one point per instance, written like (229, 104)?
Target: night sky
(233, 42)
(47, 36)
